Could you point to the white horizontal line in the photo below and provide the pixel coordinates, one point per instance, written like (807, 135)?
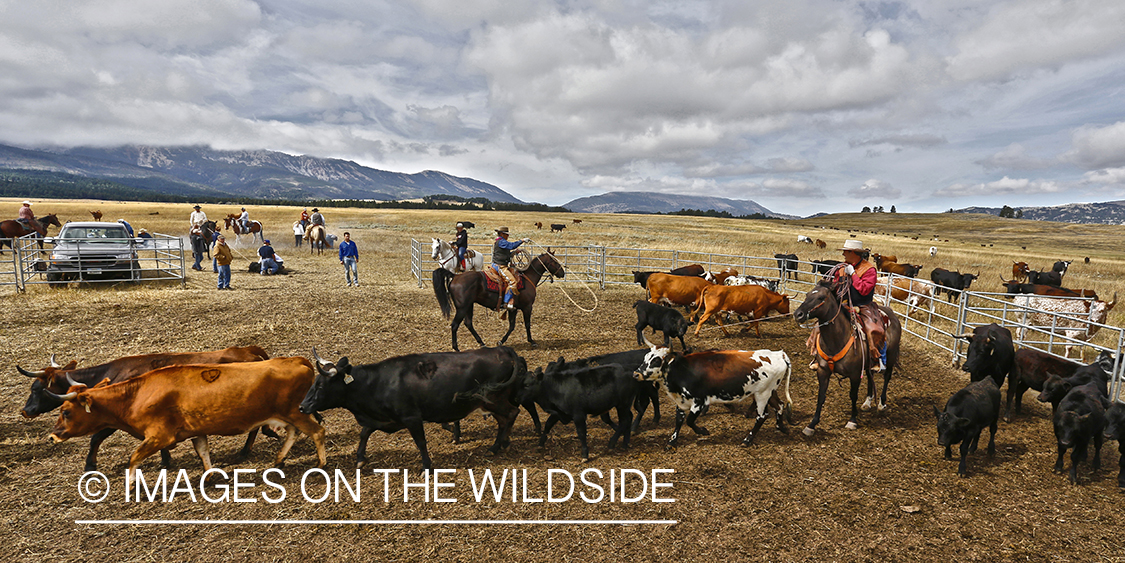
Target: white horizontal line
(384, 522)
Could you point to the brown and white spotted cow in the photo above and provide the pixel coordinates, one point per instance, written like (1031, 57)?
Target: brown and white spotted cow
(694, 381)
(1078, 319)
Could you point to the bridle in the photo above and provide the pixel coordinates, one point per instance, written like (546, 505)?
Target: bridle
(441, 244)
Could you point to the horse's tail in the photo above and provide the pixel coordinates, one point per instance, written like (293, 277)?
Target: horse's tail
(441, 280)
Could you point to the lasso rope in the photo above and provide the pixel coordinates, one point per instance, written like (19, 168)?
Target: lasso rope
(561, 288)
(749, 321)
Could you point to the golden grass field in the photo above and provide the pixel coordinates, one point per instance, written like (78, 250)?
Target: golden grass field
(837, 496)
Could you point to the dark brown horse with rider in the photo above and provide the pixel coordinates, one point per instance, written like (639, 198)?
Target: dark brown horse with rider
(14, 229)
(468, 288)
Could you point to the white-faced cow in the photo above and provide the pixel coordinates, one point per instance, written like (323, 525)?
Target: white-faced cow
(694, 381)
(1077, 319)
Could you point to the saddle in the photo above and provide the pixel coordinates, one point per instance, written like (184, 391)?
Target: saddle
(870, 320)
(496, 282)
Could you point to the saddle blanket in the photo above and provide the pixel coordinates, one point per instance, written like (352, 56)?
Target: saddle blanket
(492, 280)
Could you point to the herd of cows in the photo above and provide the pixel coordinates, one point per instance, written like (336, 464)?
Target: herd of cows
(163, 399)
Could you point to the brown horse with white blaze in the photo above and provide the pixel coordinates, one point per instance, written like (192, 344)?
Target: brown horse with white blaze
(466, 289)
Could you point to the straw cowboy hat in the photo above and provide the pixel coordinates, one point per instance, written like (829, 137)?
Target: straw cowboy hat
(853, 245)
(502, 230)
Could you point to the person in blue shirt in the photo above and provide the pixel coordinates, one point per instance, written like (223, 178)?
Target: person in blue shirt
(128, 227)
(501, 262)
(349, 257)
(268, 259)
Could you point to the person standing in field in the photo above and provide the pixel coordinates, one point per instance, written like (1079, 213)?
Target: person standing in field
(349, 257)
(223, 258)
(298, 233)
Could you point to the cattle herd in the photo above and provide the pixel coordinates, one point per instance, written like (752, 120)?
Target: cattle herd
(162, 399)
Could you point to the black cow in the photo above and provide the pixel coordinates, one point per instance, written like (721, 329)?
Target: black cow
(1061, 267)
(666, 320)
(1115, 430)
(647, 392)
(1044, 278)
(966, 414)
(786, 265)
(953, 282)
(1080, 416)
(572, 393)
(406, 391)
(642, 278)
(990, 353)
(1032, 368)
(557, 227)
(823, 266)
(467, 224)
(1013, 287)
(1055, 388)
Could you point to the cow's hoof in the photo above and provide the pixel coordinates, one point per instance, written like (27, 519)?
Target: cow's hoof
(866, 405)
(808, 431)
(851, 425)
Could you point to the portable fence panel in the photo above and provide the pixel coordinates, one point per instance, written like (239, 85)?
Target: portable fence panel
(160, 258)
(9, 264)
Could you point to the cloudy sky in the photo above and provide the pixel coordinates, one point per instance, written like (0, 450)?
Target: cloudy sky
(801, 105)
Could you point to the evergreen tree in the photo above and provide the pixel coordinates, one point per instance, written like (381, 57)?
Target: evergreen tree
(866, 209)
(893, 209)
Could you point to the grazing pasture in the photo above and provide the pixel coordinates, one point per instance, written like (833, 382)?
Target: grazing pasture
(882, 492)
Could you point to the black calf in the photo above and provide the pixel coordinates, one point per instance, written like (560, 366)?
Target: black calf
(1080, 416)
(659, 317)
(966, 414)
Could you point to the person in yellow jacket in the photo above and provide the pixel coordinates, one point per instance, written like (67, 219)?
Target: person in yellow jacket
(223, 258)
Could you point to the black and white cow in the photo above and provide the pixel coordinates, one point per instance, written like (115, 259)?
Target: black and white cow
(694, 381)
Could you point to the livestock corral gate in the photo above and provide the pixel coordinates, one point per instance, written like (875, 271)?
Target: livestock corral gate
(24, 263)
(933, 320)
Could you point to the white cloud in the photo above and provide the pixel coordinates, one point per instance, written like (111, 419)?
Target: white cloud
(1106, 176)
(1098, 147)
(875, 189)
(902, 140)
(1015, 157)
(1003, 186)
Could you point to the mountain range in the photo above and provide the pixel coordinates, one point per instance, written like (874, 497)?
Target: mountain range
(1108, 213)
(257, 174)
(645, 202)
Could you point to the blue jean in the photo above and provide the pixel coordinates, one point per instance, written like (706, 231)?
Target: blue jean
(351, 267)
(224, 276)
(270, 265)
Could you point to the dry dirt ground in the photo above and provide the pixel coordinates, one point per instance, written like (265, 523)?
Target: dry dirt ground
(837, 496)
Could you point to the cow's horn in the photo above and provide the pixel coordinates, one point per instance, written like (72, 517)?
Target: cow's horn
(70, 382)
(54, 364)
(65, 397)
(1002, 279)
(1113, 301)
(31, 373)
(650, 344)
(318, 359)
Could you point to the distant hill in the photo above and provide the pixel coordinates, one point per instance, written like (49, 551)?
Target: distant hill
(646, 202)
(256, 174)
(1108, 213)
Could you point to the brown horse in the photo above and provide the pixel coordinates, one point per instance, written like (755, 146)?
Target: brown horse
(468, 288)
(317, 239)
(234, 225)
(847, 353)
(11, 229)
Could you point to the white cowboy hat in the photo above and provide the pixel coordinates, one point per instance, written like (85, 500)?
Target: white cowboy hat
(25, 202)
(852, 244)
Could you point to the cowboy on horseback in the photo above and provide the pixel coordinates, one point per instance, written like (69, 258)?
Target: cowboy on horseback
(462, 245)
(244, 219)
(860, 277)
(501, 263)
(26, 216)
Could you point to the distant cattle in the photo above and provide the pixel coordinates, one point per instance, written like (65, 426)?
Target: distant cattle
(557, 227)
(804, 239)
(881, 259)
(821, 244)
(786, 265)
(1044, 278)
(1077, 319)
(538, 224)
(908, 270)
(659, 317)
(966, 415)
(916, 293)
(753, 301)
(1015, 288)
(933, 251)
(1061, 266)
(468, 224)
(1020, 271)
(576, 221)
(953, 283)
(823, 266)
(1087, 259)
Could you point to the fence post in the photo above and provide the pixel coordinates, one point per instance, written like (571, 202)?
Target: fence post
(1115, 389)
(17, 263)
(960, 328)
(602, 284)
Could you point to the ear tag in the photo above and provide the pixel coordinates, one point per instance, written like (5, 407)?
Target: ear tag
(348, 378)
